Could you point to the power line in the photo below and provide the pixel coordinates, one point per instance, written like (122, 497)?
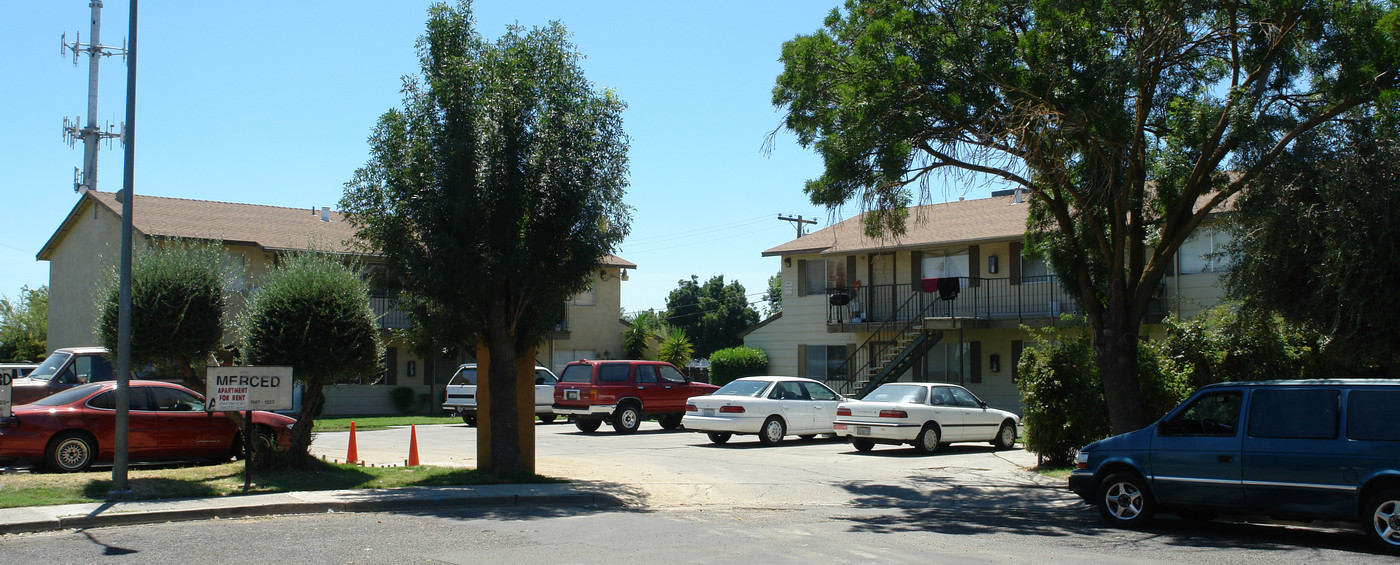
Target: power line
(699, 231)
(693, 243)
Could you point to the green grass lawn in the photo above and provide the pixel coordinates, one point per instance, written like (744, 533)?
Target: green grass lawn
(365, 423)
(40, 489)
(1061, 473)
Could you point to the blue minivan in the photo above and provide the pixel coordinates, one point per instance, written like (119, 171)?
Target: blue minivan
(1299, 449)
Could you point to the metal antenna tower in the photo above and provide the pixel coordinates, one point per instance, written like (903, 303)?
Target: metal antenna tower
(90, 133)
(799, 223)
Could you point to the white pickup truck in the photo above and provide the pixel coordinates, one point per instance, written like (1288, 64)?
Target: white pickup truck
(461, 394)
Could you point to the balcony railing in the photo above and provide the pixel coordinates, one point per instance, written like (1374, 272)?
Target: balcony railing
(388, 314)
(1038, 297)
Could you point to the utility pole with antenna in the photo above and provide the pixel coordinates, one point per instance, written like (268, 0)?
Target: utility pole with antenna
(90, 133)
(799, 222)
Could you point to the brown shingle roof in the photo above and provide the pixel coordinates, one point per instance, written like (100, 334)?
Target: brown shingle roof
(268, 227)
(998, 218)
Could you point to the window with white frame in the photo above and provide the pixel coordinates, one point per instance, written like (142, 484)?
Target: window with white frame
(825, 361)
(1204, 251)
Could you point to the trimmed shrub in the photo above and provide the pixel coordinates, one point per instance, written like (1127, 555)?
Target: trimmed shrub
(734, 362)
(1063, 398)
(403, 398)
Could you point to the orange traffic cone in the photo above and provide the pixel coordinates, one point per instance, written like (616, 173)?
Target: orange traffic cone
(351, 455)
(413, 446)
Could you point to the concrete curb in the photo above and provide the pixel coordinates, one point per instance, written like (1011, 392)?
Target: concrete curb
(83, 516)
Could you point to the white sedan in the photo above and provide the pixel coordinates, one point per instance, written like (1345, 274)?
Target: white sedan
(772, 407)
(925, 415)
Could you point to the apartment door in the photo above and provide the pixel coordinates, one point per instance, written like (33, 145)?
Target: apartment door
(882, 295)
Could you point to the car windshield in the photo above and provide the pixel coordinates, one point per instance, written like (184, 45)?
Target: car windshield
(913, 394)
(50, 366)
(742, 388)
(68, 396)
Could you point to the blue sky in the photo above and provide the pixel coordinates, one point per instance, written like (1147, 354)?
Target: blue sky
(271, 102)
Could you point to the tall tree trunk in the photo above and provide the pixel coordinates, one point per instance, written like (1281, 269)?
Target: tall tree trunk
(1116, 347)
(505, 426)
(301, 432)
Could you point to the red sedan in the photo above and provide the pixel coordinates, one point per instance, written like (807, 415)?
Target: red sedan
(72, 429)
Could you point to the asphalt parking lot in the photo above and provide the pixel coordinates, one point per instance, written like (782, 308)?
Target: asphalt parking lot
(656, 467)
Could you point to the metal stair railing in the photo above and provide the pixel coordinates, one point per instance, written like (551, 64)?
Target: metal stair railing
(881, 340)
(902, 362)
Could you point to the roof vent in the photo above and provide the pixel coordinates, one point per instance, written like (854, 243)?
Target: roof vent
(325, 213)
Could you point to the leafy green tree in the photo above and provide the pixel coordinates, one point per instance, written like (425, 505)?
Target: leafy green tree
(1319, 242)
(493, 193)
(312, 313)
(24, 325)
(713, 313)
(1127, 122)
(643, 331)
(1230, 343)
(675, 348)
(177, 307)
(775, 295)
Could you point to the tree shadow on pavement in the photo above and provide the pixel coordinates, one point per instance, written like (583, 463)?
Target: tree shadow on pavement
(1282, 538)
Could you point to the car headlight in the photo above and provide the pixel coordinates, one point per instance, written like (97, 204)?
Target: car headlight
(1081, 461)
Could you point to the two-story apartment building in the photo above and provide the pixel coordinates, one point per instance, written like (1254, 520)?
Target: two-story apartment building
(86, 246)
(944, 302)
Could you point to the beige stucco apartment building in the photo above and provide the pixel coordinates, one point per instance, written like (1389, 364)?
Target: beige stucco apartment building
(855, 306)
(85, 249)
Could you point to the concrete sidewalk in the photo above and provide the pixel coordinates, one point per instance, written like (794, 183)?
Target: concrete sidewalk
(93, 515)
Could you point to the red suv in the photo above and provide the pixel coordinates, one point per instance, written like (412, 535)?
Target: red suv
(623, 393)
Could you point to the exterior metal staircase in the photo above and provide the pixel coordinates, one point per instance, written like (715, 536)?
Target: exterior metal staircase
(891, 350)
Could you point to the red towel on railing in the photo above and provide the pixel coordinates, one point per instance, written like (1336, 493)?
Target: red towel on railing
(929, 285)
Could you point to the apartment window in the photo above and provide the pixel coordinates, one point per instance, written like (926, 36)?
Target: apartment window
(823, 274)
(1204, 252)
(950, 264)
(588, 297)
(826, 361)
(949, 362)
(1035, 270)
(235, 270)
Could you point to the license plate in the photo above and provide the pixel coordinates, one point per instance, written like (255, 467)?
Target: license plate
(571, 395)
(709, 411)
(862, 430)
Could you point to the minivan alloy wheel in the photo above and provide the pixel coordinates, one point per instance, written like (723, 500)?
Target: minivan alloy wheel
(1385, 520)
(1125, 501)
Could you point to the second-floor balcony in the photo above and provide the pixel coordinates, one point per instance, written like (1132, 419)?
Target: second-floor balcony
(387, 313)
(980, 300)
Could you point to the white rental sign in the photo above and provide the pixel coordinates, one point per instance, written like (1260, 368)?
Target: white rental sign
(6, 376)
(232, 389)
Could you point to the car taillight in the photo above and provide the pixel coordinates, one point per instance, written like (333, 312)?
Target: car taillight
(893, 414)
(732, 409)
(691, 408)
(843, 411)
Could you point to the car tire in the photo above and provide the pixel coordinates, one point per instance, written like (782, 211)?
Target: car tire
(670, 421)
(1006, 437)
(70, 452)
(927, 440)
(266, 441)
(627, 419)
(548, 418)
(772, 431)
(1381, 520)
(1124, 500)
(469, 419)
(719, 438)
(588, 425)
(863, 445)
